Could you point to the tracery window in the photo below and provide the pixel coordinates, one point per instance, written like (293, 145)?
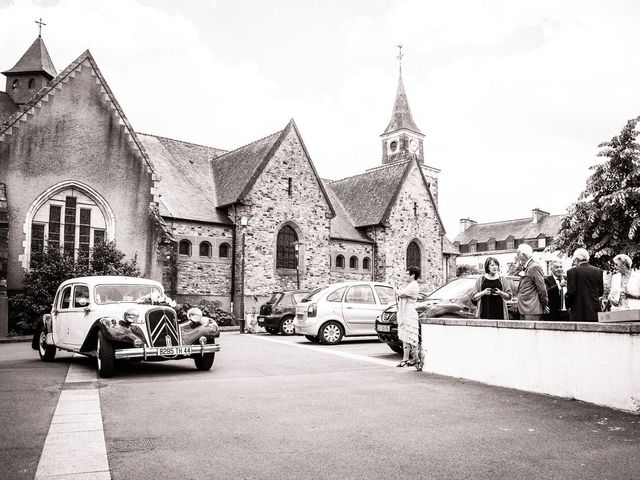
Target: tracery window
(285, 249)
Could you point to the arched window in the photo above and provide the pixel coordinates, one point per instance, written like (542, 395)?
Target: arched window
(205, 249)
(339, 261)
(223, 250)
(31, 83)
(184, 248)
(414, 258)
(285, 250)
(366, 263)
(353, 262)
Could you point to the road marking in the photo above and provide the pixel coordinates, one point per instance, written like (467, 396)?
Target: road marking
(75, 446)
(330, 351)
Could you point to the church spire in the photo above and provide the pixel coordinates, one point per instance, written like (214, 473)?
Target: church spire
(402, 139)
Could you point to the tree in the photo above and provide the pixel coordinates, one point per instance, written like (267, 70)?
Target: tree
(606, 218)
(52, 267)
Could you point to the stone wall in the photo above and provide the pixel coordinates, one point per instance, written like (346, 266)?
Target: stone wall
(4, 253)
(348, 249)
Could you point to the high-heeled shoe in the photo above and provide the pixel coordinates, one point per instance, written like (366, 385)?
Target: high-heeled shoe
(403, 363)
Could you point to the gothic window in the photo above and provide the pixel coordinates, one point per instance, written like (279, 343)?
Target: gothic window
(353, 262)
(414, 258)
(205, 249)
(339, 261)
(14, 84)
(184, 248)
(393, 146)
(285, 250)
(70, 221)
(31, 83)
(289, 186)
(366, 263)
(223, 250)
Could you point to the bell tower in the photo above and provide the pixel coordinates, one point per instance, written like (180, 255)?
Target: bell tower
(30, 74)
(402, 139)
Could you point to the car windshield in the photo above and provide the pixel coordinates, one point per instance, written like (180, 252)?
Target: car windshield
(455, 291)
(122, 293)
(312, 294)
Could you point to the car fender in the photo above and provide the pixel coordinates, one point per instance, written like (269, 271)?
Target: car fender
(44, 324)
(113, 329)
(333, 318)
(192, 331)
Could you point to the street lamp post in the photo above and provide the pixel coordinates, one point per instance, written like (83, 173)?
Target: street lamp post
(244, 221)
(296, 246)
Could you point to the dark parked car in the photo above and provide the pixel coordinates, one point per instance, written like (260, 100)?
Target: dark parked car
(452, 300)
(278, 313)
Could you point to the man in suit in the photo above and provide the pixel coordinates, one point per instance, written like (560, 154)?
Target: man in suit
(585, 286)
(532, 292)
(556, 288)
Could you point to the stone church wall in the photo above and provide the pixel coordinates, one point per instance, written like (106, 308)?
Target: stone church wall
(75, 135)
(271, 207)
(402, 227)
(348, 250)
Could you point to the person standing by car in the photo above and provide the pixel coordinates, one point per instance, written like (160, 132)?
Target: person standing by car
(491, 292)
(619, 297)
(585, 286)
(532, 292)
(556, 288)
(408, 318)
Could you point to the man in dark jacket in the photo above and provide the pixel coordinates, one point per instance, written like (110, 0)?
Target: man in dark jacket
(585, 286)
(556, 288)
(532, 293)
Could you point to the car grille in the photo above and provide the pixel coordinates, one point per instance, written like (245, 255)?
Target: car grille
(163, 327)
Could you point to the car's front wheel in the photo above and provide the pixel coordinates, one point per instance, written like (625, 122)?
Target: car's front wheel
(330, 333)
(286, 326)
(204, 362)
(106, 357)
(47, 352)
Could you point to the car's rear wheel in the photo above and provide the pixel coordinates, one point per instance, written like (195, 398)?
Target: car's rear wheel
(330, 333)
(286, 326)
(312, 338)
(47, 352)
(105, 355)
(396, 348)
(204, 362)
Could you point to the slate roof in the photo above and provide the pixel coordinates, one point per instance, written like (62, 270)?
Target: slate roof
(7, 107)
(341, 225)
(401, 116)
(366, 197)
(35, 59)
(448, 247)
(520, 228)
(185, 181)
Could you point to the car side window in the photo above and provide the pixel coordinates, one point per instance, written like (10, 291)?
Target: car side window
(80, 296)
(65, 301)
(336, 296)
(360, 294)
(386, 294)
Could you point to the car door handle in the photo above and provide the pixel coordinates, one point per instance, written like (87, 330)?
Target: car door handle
(87, 310)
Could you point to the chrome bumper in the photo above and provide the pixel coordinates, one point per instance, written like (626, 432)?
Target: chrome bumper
(146, 352)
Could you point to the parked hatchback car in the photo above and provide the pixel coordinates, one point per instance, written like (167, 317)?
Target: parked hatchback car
(114, 318)
(451, 300)
(278, 313)
(342, 309)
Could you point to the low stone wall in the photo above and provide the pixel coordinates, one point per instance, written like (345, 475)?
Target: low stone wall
(594, 362)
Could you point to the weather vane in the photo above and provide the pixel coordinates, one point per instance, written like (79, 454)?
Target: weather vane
(400, 55)
(40, 24)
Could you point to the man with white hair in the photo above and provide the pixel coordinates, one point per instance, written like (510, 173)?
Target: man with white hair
(532, 292)
(585, 286)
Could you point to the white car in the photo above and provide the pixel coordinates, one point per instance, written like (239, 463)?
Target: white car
(113, 318)
(342, 310)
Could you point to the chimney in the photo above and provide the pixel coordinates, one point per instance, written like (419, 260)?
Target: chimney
(465, 223)
(538, 215)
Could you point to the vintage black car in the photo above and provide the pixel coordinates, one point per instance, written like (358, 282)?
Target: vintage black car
(278, 313)
(452, 300)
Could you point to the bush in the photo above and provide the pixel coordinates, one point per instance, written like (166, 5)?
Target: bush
(464, 270)
(52, 267)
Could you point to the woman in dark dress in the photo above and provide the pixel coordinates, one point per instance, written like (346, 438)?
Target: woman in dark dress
(491, 291)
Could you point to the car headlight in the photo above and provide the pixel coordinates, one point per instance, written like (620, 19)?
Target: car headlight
(195, 315)
(133, 316)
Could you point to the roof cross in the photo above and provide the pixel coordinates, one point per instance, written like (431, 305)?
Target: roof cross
(40, 25)
(400, 55)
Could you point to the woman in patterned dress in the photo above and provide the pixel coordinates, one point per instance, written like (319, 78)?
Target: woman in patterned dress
(408, 318)
(619, 296)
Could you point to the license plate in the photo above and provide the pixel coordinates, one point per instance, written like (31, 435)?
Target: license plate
(384, 328)
(170, 351)
(300, 316)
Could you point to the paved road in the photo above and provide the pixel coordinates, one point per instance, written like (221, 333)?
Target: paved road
(279, 407)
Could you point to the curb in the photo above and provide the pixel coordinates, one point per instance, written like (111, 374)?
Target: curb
(16, 339)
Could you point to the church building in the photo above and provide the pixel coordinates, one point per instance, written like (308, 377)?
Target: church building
(208, 222)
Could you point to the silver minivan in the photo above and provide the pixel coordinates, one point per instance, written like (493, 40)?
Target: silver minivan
(342, 310)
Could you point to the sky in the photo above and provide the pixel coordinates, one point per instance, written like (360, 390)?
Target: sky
(514, 97)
